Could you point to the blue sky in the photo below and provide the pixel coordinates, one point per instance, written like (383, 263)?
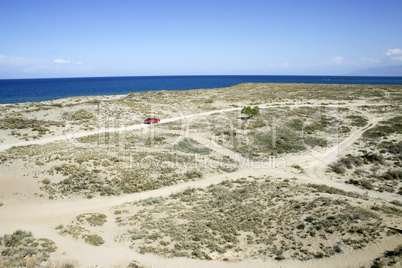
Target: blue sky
(58, 38)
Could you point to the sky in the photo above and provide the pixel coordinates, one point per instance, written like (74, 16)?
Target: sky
(91, 38)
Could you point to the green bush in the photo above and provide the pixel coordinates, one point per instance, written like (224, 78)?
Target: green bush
(250, 112)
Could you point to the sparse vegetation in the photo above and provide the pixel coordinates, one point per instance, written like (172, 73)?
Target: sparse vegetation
(78, 228)
(357, 120)
(21, 247)
(392, 258)
(385, 128)
(24, 123)
(94, 219)
(213, 223)
(82, 115)
(247, 218)
(189, 145)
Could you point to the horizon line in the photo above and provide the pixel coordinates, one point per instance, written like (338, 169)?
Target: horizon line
(200, 75)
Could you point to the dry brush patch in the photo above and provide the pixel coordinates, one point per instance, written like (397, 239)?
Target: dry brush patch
(250, 218)
(80, 229)
(278, 131)
(89, 166)
(390, 258)
(21, 249)
(377, 164)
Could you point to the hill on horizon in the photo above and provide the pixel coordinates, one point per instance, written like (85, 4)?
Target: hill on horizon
(380, 71)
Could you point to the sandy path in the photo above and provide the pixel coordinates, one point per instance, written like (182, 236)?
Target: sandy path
(41, 217)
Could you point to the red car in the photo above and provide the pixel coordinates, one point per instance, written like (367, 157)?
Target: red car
(151, 120)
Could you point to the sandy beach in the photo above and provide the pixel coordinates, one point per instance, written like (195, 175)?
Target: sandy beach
(313, 180)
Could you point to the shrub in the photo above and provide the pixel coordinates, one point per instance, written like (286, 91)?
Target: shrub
(395, 174)
(395, 148)
(372, 157)
(193, 174)
(46, 181)
(366, 184)
(350, 161)
(396, 203)
(338, 168)
(250, 112)
(94, 239)
(352, 181)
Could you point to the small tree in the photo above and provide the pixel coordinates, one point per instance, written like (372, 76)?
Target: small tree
(247, 110)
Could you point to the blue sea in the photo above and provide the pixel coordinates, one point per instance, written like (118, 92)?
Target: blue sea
(33, 90)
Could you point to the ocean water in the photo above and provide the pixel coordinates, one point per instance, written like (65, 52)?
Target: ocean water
(33, 90)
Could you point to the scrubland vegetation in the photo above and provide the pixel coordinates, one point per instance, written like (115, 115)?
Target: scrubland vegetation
(20, 249)
(391, 258)
(243, 217)
(377, 164)
(251, 218)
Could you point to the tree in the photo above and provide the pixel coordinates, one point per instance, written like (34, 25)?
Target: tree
(247, 110)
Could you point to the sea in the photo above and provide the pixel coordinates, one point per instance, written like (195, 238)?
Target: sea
(34, 90)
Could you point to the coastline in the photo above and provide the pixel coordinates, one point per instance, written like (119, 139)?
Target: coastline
(225, 150)
(34, 90)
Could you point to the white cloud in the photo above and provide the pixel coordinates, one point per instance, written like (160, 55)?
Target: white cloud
(66, 61)
(395, 54)
(61, 61)
(19, 67)
(337, 60)
(370, 61)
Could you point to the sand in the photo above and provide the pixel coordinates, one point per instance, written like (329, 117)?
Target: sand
(25, 208)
